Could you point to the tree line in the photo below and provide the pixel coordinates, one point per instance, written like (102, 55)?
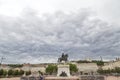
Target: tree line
(15, 65)
(13, 73)
(109, 71)
(98, 62)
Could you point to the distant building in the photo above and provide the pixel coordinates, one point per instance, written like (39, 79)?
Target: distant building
(87, 68)
(26, 67)
(111, 65)
(5, 67)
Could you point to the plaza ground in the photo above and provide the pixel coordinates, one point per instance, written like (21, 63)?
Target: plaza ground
(16, 78)
(106, 78)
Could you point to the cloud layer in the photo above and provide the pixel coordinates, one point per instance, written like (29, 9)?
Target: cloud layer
(37, 39)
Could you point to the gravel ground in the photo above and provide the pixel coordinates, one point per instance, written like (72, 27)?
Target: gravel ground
(112, 78)
(16, 78)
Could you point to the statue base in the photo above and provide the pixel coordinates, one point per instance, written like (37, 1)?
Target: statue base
(63, 70)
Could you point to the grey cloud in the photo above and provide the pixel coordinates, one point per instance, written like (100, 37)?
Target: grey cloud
(111, 10)
(30, 37)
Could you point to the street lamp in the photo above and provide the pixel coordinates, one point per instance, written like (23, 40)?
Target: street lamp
(2, 58)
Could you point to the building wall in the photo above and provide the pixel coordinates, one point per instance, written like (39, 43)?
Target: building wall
(42, 69)
(87, 68)
(111, 65)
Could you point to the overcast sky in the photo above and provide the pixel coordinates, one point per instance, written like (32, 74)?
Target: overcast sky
(39, 30)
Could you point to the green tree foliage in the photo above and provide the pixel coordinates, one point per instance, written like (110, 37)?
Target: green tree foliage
(51, 69)
(1, 72)
(10, 72)
(21, 72)
(41, 73)
(5, 73)
(15, 72)
(28, 73)
(117, 69)
(15, 65)
(83, 61)
(99, 63)
(73, 68)
(101, 71)
(109, 71)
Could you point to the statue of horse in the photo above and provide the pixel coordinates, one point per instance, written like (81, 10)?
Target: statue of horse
(64, 57)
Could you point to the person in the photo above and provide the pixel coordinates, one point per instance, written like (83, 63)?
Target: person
(41, 77)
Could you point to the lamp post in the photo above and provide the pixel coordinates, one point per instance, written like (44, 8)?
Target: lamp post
(2, 58)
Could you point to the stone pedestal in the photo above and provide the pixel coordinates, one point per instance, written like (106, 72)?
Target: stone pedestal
(62, 78)
(63, 68)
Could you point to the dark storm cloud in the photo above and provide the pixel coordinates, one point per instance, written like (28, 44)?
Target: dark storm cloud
(42, 39)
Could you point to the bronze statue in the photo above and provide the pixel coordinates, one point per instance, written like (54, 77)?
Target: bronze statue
(64, 57)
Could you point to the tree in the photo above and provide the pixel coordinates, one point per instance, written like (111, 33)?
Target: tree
(4, 73)
(73, 68)
(41, 73)
(15, 72)
(1, 72)
(28, 73)
(99, 63)
(109, 71)
(117, 69)
(15, 65)
(101, 71)
(21, 72)
(51, 69)
(10, 72)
